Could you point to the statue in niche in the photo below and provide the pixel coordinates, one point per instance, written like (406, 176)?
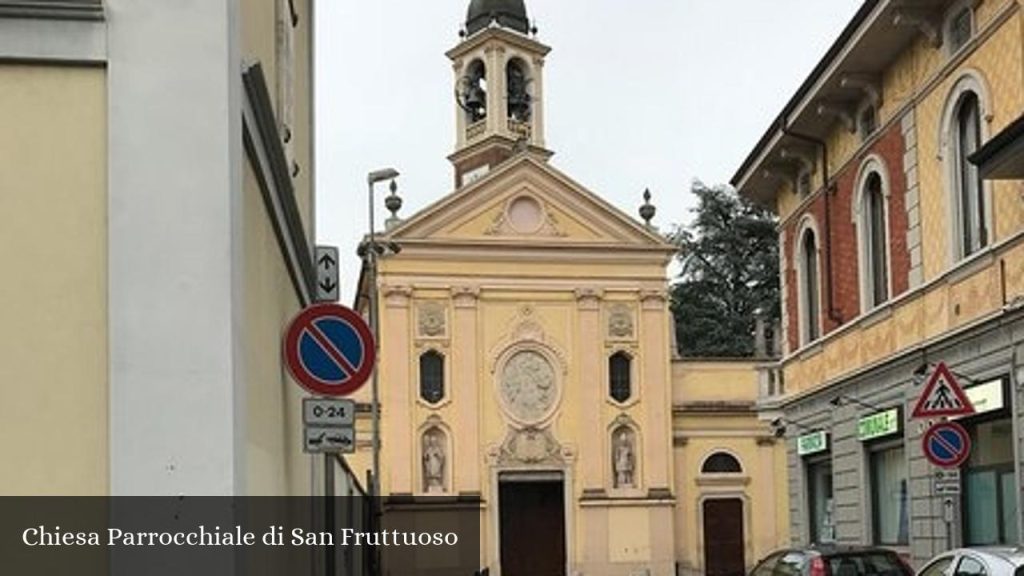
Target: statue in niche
(433, 462)
(623, 458)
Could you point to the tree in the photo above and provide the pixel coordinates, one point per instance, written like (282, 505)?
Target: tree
(730, 274)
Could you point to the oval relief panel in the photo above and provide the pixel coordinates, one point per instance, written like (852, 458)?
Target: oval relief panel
(528, 387)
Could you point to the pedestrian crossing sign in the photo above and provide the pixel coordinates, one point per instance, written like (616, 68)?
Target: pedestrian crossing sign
(942, 396)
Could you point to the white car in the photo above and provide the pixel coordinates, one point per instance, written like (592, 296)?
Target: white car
(984, 561)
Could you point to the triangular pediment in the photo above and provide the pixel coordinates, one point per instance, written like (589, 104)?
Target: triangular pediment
(526, 201)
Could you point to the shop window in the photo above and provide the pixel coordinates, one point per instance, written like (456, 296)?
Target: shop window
(889, 495)
(721, 462)
(820, 510)
(620, 386)
(431, 377)
(990, 493)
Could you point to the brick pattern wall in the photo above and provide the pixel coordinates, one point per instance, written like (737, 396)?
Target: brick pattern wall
(845, 278)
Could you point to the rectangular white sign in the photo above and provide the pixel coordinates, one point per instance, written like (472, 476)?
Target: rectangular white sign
(327, 275)
(321, 439)
(328, 412)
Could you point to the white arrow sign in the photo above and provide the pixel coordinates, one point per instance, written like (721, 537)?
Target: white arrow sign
(327, 274)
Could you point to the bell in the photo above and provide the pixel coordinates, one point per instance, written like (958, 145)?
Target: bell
(475, 98)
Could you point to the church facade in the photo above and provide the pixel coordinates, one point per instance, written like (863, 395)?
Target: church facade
(527, 364)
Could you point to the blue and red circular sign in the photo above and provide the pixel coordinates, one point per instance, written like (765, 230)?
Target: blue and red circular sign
(946, 444)
(329, 350)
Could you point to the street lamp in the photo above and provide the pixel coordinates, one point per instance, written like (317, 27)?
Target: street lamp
(371, 254)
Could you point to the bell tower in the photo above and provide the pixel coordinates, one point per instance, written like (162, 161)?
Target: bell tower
(499, 88)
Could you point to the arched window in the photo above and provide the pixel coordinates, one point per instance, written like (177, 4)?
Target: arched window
(970, 199)
(721, 462)
(431, 377)
(874, 241)
(810, 292)
(517, 82)
(620, 386)
(472, 92)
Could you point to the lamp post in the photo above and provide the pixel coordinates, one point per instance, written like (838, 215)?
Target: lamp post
(371, 254)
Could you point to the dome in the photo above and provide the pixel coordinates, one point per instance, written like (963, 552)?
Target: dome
(509, 14)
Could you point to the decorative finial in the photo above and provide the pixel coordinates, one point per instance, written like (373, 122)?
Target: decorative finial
(393, 202)
(647, 210)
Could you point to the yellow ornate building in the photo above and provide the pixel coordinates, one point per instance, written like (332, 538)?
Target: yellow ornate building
(898, 252)
(527, 360)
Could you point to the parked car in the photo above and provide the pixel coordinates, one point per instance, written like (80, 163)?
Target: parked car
(983, 561)
(832, 560)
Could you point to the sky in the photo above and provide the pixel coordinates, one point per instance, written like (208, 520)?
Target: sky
(638, 94)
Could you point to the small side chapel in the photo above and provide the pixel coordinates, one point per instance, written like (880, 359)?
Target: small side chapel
(527, 363)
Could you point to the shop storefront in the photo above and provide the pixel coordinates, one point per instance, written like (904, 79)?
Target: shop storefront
(881, 435)
(813, 448)
(989, 498)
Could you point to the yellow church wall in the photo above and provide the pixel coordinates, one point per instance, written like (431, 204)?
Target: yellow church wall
(53, 243)
(713, 405)
(709, 380)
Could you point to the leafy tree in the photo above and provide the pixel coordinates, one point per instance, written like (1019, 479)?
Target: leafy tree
(730, 274)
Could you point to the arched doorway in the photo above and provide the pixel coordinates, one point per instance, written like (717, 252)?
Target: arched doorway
(723, 537)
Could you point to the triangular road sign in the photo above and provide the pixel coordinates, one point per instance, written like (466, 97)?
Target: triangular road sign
(942, 396)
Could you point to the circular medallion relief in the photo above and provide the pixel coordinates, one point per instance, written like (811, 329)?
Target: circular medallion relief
(528, 387)
(525, 215)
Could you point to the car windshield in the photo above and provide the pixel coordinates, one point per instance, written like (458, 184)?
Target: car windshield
(866, 564)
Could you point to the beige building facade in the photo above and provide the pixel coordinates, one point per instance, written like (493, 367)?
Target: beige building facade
(527, 366)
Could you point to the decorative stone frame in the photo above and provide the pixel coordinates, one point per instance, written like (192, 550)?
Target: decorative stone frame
(970, 81)
(807, 225)
(558, 370)
(446, 375)
(611, 310)
(873, 164)
(748, 529)
(634, 374)
(546, 225)
(637, 490)
(429, 306)
(435, 422)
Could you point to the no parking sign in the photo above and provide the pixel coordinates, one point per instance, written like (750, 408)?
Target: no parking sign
(329, 350)
(946, 444)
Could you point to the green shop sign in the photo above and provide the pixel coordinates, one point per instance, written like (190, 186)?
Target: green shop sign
(878, 424)
(812, 443)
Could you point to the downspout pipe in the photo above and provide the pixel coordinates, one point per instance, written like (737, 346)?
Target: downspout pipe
(832, 313)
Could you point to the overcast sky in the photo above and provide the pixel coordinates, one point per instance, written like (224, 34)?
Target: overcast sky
(640, 93)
